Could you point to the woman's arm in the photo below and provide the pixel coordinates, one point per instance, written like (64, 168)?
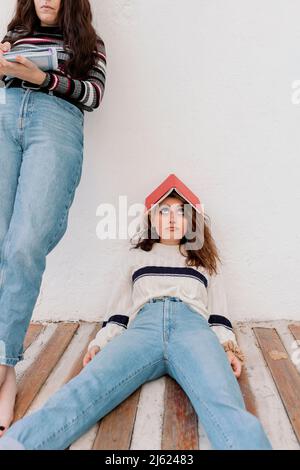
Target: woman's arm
(4, 47)
(88, 92)
(118, 309)
(218, 319)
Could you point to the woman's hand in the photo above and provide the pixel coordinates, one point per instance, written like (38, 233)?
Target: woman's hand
(90, 354)
(235, 363)
(23, 68)
(4, 47)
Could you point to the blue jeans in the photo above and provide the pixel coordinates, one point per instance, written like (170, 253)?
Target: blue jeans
(166, 337)
(41, 154)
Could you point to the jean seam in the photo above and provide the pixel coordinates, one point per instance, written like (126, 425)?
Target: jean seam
(78, 416)
(9, 358)
(210, 414)
(9, 362)
(4, 260)
(66, 209)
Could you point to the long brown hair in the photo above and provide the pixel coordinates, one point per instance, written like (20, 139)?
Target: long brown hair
(75, 20)
(207, 256)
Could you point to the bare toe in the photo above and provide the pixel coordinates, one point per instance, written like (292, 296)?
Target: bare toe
(8, 393)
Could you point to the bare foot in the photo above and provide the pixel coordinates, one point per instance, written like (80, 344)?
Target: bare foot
(8, 393)
(3, 370)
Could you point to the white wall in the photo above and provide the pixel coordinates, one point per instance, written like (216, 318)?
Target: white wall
(201, 88)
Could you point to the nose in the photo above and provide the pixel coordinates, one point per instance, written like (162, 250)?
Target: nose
(172, 217)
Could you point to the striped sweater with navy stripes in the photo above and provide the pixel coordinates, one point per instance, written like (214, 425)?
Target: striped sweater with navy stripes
(86, 94)
(143, 275)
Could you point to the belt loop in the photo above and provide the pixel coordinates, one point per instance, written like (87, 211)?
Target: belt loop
(34, 87)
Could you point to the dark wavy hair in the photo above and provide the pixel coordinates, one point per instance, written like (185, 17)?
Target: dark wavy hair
(75, 20)
(207, 256)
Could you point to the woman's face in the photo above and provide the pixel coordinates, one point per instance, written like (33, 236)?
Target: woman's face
(48, 16)
(169, 220)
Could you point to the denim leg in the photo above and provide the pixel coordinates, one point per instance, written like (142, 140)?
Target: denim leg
(199, 364)
(122, 366)
(10, 164)
(50, 172)
(10, 444)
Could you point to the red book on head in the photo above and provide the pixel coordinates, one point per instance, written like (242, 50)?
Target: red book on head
(166, 187)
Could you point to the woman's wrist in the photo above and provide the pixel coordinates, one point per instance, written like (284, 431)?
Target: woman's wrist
(41, 78)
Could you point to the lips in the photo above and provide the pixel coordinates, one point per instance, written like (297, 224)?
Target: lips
(46, 8)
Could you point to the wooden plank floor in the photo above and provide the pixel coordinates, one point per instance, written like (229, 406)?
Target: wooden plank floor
(159, 415)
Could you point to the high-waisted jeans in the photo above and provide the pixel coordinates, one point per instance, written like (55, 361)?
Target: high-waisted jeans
(165, 337)
(41, 155)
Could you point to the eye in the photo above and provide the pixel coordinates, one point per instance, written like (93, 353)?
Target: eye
(164, 210)
(181, 210)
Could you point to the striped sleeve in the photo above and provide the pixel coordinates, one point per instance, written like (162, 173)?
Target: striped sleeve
(218, 314)
(88, 92)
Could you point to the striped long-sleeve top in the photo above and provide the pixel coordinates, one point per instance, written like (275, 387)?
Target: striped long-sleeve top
(87, 94)
(160, 272)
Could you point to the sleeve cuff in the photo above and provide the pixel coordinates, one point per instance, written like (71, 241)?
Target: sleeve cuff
(47, 81)
(223, 333)
(106, 334)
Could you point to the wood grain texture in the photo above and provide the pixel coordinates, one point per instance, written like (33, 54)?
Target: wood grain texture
(284, 373)
(116, 428)
(180, 424)
(32, 333)
(247, 392)
(78, 365)
(269, 383)
(295, 330)
(35, 376)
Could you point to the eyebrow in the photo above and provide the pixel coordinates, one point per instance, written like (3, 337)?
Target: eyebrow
(166, 204)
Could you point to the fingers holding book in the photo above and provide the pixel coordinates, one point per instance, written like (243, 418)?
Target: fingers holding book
(5, 47)
(22, 68)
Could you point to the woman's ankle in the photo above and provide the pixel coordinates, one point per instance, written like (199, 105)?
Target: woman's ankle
(3, 372)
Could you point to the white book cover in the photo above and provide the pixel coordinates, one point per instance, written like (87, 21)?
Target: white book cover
(45, 58)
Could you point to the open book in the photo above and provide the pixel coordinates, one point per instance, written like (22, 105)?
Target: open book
(44, 57)
(166, 187)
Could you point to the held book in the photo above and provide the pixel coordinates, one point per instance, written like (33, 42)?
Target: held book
(44, 57)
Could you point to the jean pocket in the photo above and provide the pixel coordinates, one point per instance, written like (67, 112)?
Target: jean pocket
(194, 311)
(70, 107)
(141, 310)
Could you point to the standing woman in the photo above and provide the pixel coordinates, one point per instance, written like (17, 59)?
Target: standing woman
(41, 155)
